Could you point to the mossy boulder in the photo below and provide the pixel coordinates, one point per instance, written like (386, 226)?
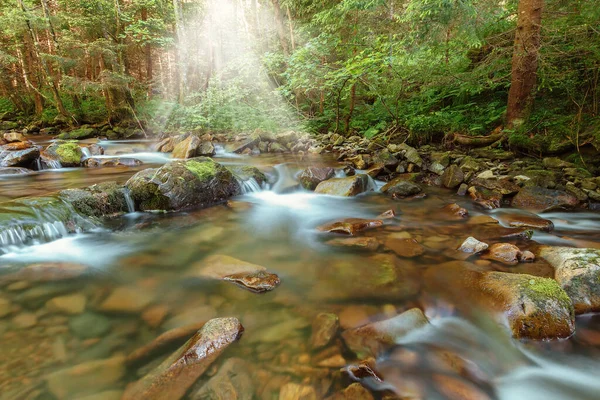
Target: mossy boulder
(68, 153)
(79, 134)
(578, 273)
(401, 187)
(535, 308)
(100, 200)
(180, 185)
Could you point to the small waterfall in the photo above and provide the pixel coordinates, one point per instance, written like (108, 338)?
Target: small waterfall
(86, 152)
(45, 163)
(38, 220)
(221, 152)
(249, 185)
(129, 201)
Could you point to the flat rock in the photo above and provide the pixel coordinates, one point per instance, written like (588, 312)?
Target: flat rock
(46, 272)
(373, 339)
(86, 378)
(529, 221)
(350, 226)
(502, 186)
(294, 391)
(18, 158)
(357, 243)
(89, 325)
(127, 299)
(539, 199)
(174, 376)
(346, 187)
(407, 248)
(70, 304)
(452, 177)
(578, 273)
(486, 198)
(250, 276)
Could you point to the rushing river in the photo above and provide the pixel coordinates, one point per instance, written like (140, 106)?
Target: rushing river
(149, 257)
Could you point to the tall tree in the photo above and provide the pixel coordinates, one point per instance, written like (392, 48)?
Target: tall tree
(524, 61)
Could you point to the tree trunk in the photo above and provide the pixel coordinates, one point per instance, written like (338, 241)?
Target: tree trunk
(524, 61)
(52, 83)
(351, 106)
(181, 58)
(149, 71)
(280, 27)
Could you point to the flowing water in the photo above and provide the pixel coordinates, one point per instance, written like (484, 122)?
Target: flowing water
(49, 326)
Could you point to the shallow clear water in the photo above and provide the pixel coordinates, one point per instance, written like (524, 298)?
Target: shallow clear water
(151, 256)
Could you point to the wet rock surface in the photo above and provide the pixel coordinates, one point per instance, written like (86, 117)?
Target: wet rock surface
(578, 273)
(540, 199)
(174, 376)
(311, 177)
(373, 339)
(182, 185)
(346, 187)
(350, 226)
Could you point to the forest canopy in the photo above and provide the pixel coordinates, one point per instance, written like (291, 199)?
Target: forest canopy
(424, 69)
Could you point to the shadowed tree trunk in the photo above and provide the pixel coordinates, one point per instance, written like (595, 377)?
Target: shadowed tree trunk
(280, 27)
(524, 61)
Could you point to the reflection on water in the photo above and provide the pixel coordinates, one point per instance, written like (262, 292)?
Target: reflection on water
(140, 283)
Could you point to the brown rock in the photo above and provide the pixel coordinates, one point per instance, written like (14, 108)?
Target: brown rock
(502, 186)
(247, 275)
(452, 177)
(505, 253)
(89, 377)
(173, 377)
(353, 392)
(539, 199)
(293, 391)
(232, 382)
(346, 187)
(407, 248)
(71, 304)
(350, 226)
(530, 221)
(46, 272)
(127, 299)
(359, 243)
(485, 198)
(155, 315)
(188, 148)
(455, 210)
(324, 329)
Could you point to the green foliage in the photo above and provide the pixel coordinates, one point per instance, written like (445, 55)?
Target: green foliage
(6, 105)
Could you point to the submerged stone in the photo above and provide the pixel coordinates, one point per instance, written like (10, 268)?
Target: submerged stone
(250, 276)
(87, 378)
(181, 185)
(324, 329)
(373, 339)
(357, 243)
(407, 248)
(45, 272)
(173, 377)
(232, 382)
(578, 273)
(350, 226)
(530, 221)
(347, 187)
